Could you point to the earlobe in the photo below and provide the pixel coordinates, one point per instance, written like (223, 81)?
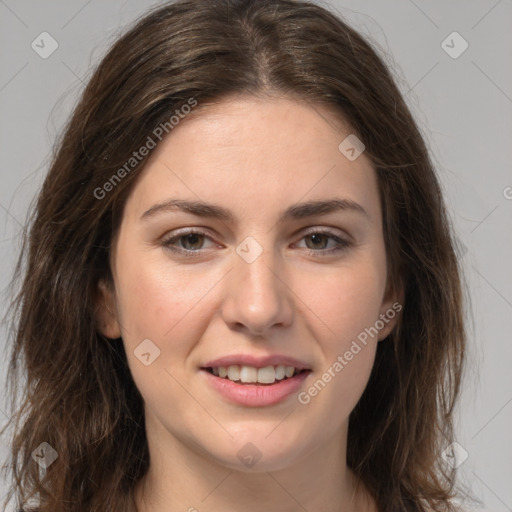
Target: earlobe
(107, 322)
(391, 312)
(388, 319)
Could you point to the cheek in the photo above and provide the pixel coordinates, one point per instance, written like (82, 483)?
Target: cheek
(331, 396)
(345, 307)
(164, 303)
(156, 297)
(345, 301)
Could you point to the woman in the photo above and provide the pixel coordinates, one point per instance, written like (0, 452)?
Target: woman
(262, 369)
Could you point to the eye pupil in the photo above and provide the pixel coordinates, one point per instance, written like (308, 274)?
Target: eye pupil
(193, 236)
(316, 238)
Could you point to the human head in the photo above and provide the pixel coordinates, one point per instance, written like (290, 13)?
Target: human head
(152, 72)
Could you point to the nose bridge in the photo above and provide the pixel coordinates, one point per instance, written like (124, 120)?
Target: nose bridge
(257, 297)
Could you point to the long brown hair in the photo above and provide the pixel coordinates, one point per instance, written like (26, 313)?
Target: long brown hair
(79, 396)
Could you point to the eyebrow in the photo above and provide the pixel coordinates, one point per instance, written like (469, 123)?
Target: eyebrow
(296, 211)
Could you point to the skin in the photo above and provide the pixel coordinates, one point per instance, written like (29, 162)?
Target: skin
(243, 153)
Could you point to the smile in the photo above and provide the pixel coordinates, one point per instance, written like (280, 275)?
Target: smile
(245, 385)
(250, 374)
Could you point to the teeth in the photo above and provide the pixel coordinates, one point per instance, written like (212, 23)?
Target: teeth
(250, 374)
(281, 372)
(266, 375)
(234, 372)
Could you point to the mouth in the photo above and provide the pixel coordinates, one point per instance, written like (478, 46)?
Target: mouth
(250, 375)
(255, 387)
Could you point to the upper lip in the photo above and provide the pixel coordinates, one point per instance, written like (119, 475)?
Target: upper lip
(257, 362)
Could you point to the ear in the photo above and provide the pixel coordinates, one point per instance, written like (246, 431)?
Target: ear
(105, 310)
(391, 308)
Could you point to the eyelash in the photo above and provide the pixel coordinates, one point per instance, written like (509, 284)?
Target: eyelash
(343, 245)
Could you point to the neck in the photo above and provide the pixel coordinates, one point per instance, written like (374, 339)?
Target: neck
(181, 478)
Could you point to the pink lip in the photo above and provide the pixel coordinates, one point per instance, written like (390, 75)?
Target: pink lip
(256, 362)
(255, 395)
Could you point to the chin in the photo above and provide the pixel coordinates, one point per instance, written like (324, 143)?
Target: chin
(254, 454)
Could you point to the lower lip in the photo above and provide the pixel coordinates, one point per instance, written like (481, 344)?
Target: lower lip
(254, 395)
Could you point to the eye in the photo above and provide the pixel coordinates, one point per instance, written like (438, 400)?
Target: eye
(320, 238)
(192, 241)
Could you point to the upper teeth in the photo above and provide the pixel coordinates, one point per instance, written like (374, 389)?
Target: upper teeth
(247, 374)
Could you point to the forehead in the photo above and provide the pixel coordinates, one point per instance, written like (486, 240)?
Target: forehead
(285, 120)
(248, 151)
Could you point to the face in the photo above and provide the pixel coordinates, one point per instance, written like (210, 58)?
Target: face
(197, 293)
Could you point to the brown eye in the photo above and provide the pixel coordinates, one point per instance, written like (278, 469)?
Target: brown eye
(191, 238)
(318, 241)
(188, 243)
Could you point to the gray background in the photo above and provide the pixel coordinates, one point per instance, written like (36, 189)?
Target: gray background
(463, 106)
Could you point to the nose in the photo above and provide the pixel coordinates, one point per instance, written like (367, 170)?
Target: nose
(257, 296)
